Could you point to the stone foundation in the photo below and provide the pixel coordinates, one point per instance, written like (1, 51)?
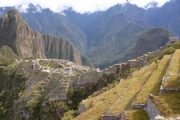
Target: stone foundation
(113, 117)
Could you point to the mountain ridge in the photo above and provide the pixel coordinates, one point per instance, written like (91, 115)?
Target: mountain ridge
(27, 43)
(91, 32)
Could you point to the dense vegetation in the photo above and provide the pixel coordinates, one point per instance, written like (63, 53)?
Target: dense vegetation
(11, 86)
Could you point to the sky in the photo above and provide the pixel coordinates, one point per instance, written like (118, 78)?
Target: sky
(78, 5)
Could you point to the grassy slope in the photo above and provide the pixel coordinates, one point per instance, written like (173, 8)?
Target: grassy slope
(142, 83)
(136, 115)
(107, 101)
(152, 85)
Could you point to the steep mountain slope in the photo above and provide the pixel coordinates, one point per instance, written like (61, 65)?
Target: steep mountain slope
(118, 44)
(114, 33)
(7, 56)
(115, 19)
(49, 22)
(150, 40)
(153, 39)
(167, 16)
(26, 43)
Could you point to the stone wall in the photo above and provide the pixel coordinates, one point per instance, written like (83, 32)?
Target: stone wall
(108, 117)
(87, 78)
(137, 106)
(142, 60)
(152, 109)
(117, 71)
(113, 117)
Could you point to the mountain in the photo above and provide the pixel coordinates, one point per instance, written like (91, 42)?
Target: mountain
(49, 22)
(167, 16)
(117, 44)
(112, 34)
(26, 43)
(153, 38)
(105, 37)
(38, 84)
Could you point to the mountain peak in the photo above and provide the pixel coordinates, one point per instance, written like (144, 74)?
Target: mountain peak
(29, 8)
(12, 14)
(26, 43)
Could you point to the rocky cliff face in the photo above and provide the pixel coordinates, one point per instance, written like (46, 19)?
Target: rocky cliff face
(27, 43)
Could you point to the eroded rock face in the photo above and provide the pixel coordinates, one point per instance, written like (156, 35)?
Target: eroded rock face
(27, 43)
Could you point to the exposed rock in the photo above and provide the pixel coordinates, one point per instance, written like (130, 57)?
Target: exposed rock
(26, 43)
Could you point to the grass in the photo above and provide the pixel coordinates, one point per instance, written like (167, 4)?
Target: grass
(51, 64)
(168, 104)
(173, 76)
(7, 56)
(152, 86)
(43, 62)
(136, 115)
(121, 94)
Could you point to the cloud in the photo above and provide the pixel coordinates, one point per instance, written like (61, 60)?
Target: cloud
(78, 5)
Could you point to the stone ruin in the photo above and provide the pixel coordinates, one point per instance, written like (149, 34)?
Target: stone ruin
(142, 60)
(172, 40)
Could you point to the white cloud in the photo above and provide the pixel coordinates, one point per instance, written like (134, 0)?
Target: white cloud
(78, 5)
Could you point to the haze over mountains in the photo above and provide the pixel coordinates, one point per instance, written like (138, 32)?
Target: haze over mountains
(106, 37)
(118, 64)
(26, 43)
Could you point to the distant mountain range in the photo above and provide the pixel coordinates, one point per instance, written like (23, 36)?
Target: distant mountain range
(110, 36)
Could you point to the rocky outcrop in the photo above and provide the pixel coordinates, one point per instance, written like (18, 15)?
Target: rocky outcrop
(59, 48)
(26, 43)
